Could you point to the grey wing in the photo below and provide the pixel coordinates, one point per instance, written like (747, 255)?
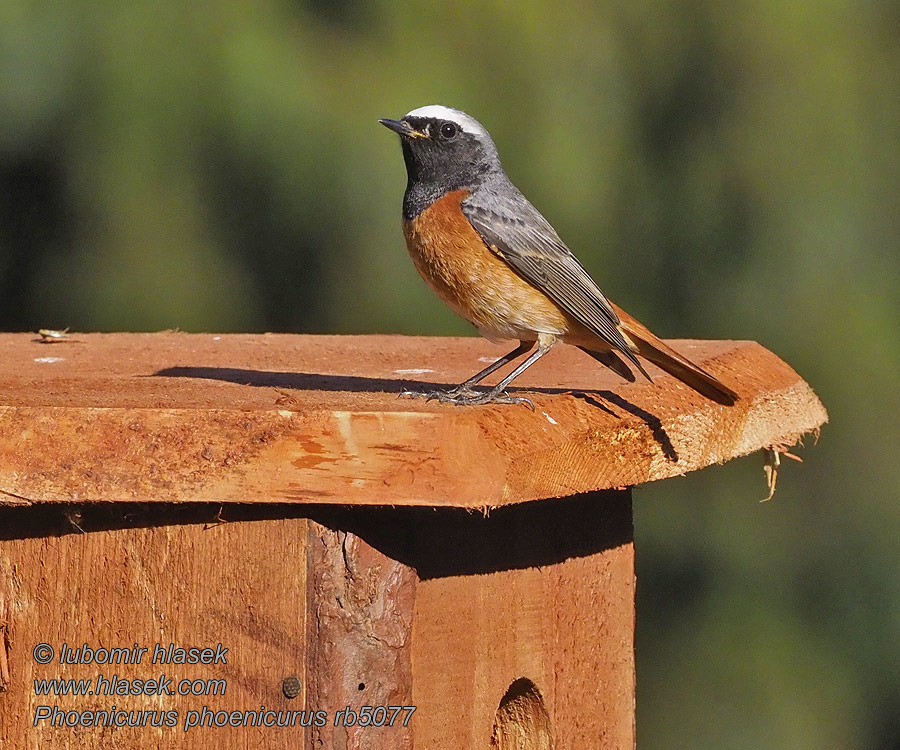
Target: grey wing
(518, 233)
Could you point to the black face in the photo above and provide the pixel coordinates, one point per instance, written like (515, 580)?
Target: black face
(440, 157)
(446, 154)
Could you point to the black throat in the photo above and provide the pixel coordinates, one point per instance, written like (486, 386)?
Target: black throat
(433, 171)
(420, 195)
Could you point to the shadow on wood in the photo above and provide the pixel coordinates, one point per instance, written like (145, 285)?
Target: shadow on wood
(435, 542)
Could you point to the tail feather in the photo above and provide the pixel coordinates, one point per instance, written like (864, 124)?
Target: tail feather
(686, 371)
(666, 358)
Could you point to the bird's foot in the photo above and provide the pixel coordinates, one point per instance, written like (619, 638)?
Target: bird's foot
(465, 396)
(461, 394)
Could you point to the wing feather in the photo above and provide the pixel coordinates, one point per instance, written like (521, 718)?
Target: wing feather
(518, 233)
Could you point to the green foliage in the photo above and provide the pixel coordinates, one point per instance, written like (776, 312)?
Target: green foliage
(726, 170)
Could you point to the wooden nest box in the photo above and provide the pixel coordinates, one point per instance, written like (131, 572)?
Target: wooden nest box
(300, 551)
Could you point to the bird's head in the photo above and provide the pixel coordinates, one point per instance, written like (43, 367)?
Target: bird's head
(445, 148)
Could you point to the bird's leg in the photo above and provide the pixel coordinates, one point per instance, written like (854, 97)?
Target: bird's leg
(498, 394)
(523, 347)
(463, 393)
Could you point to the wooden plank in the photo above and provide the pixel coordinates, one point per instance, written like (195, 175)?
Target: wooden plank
(565, 628)
(271, 598)
(359, 643)
(173, 417)
(240, 587)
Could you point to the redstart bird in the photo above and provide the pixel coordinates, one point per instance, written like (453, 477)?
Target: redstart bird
(491, 256)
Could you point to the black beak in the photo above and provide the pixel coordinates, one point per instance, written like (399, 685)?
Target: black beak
(403, 128)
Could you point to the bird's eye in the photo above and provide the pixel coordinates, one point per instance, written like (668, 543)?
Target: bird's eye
(449, 131)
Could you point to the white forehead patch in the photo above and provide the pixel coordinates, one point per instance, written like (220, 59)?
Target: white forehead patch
(466, 123)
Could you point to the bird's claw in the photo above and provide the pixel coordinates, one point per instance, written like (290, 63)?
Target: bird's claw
(458, 395)
(463, 396)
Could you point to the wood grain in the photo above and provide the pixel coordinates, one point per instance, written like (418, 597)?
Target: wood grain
(239, 585)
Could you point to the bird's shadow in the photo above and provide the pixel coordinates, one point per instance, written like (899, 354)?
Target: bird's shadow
(307, 381)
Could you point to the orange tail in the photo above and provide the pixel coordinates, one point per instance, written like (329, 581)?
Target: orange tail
(666, 358)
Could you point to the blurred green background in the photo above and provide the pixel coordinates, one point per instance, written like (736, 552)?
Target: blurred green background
(727, 170)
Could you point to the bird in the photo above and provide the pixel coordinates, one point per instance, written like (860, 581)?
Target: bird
(498, 263)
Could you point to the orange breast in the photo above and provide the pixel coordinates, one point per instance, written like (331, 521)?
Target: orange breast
(478, 285)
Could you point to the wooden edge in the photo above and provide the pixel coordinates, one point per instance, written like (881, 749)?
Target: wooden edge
(458, 456)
